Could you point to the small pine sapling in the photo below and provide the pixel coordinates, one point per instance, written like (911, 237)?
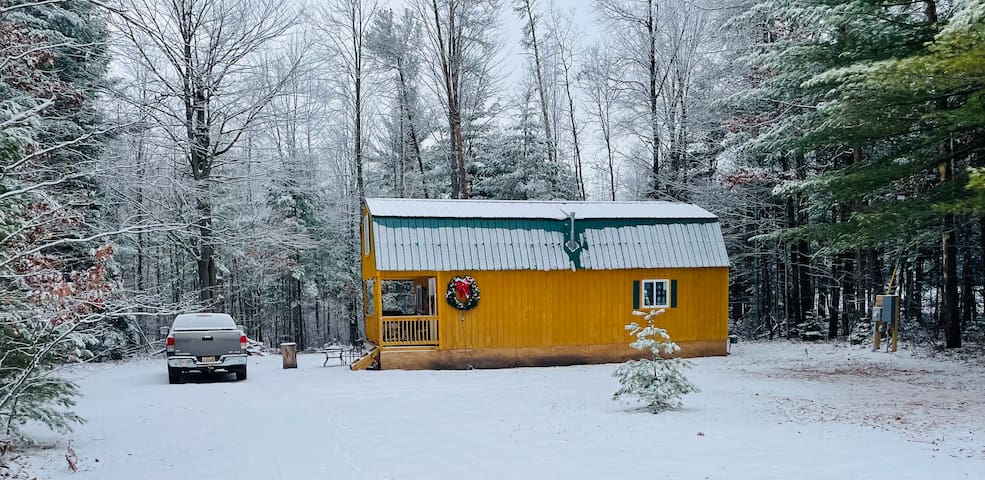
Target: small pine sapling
(810, 330)
(656, 380)
(862, 333)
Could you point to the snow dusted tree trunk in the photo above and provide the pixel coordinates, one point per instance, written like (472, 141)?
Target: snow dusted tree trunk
(460, 37)
(575, 142)
(981, 253)
(833, 299)
(407, 107)
(597, 80)
(653, 92)
(525, 9)
(347, 22)
(393, 43)
(447, 38)
(565, 45)
(950, 314)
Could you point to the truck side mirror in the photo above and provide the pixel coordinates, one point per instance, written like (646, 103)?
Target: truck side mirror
(165, 330)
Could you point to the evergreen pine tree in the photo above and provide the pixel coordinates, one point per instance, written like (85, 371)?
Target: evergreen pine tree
(53, 285)
(656, 379)
(515, 164)
(879, 102)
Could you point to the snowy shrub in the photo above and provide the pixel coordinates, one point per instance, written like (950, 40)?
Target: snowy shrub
(810, 330)
(861, 334)
(657, 380)
(975, 329)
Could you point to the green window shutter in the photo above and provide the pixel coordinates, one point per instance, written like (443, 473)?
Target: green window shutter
(636, 294)
(673, 294)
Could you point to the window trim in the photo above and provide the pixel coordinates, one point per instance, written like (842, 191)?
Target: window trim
(665, 281)
(366, 245)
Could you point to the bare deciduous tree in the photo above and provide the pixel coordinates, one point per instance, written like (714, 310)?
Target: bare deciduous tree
(201, 56)
(346, 23)
(597, 80)
(527, 11)
(563, 37)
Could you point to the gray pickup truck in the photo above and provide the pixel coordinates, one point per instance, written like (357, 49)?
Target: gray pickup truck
(205, 342)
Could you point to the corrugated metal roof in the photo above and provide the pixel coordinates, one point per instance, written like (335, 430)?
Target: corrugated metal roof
(674, 245)
(457, 244)
(559, 210)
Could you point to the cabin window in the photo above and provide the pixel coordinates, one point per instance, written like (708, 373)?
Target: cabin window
(370, 300)
(366, 235)
(655, 293)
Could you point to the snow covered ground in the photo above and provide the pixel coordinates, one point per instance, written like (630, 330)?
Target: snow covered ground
(768, 411)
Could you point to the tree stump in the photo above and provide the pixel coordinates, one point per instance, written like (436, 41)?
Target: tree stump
(289, 353)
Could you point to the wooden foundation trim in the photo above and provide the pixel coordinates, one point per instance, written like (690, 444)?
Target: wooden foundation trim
(531, 356)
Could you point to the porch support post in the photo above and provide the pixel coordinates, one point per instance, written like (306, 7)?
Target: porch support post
(378, 308)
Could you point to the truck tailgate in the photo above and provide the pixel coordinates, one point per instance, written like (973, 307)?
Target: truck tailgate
(207, 343)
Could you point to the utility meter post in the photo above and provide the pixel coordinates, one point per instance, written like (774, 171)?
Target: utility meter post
(885, 319)
(878, 326)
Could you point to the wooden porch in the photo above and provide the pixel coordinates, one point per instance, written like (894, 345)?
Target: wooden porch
(402, 312)
(398, 333)
(403, 331)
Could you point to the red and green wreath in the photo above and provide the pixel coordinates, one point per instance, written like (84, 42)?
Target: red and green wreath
(462, 293)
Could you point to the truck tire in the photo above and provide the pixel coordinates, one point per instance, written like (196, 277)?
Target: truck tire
(241, 373)
(174, 375)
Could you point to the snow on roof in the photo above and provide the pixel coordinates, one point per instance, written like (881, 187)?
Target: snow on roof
(557, 210)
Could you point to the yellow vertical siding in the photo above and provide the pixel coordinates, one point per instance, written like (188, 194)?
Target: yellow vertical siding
(587, 307)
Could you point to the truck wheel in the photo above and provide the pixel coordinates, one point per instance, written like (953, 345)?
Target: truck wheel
(241, 373)
(174, 375)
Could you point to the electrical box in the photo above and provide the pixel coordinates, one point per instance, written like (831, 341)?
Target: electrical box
(885, 320)
(886, 309)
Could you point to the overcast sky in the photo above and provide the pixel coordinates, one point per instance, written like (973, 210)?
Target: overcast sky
(513, 53)
(584, 19)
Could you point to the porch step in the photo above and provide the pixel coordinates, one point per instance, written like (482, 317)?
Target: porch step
(369, 361)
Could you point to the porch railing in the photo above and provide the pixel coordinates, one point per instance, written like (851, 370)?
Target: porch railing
(412, 331)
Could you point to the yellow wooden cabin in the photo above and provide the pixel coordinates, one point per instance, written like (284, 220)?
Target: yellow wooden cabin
(556, 281)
